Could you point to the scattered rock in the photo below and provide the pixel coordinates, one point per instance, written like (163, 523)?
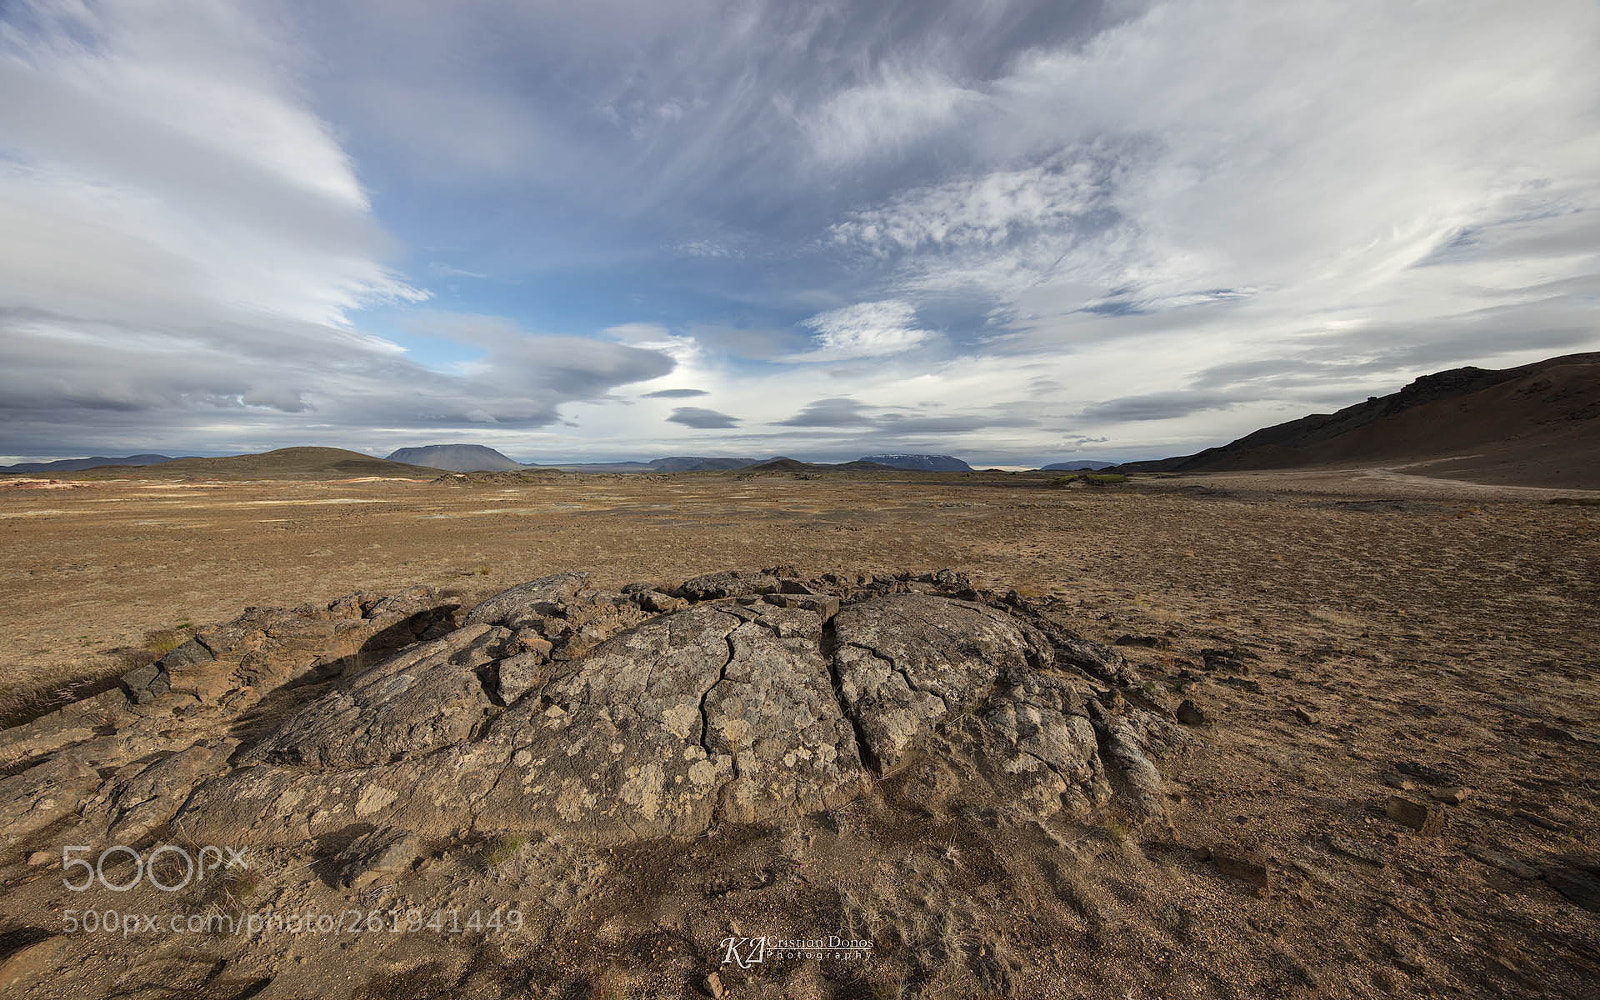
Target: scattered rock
(1562, 734)
(714, 986)
(1543, 822)
(39, 858)
(376, 855)
(1450, 794)
(145, 684)
(1143, 641)
(824, 606)
(1191, 714)
(1427, 820)
(656, 601)
(44, 793)
(1579, 886)
(1248, 867)
(527, 603)
(1351, 849)
(725, 584)
(1305, 716)
(1432, 775)
(1495, 859)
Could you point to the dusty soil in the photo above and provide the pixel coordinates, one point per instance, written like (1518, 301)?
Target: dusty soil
(1349, 636)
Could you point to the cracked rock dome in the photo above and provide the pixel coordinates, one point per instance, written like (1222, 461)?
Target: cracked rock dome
(740, 698)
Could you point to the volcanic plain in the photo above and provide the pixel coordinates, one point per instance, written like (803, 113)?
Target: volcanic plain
(1384, 690)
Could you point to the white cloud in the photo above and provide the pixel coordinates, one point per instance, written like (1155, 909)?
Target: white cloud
(884, 115)
(987, 211)
(163, 161)
(864, 330)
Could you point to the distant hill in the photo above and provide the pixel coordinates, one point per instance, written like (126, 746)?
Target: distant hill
(79, 464)
(795, 465)
(785, 465)
(1537, 425)
(677, 463)
(456, 458)
(1081, 466)
(285, 463)
(692, 464)
(919, 463)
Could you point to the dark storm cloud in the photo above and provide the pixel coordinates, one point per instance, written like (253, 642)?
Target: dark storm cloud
(701, 419)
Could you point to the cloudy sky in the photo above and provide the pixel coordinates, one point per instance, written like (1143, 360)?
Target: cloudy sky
(1011, 231)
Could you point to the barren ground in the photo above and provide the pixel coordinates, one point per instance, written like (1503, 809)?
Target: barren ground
(1412, 621)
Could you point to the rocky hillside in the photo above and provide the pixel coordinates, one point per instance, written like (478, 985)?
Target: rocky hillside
(1534, 425)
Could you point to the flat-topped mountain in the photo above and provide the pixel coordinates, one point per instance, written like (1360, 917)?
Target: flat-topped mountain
(1534, 425)
(919, 463)
(456, 458)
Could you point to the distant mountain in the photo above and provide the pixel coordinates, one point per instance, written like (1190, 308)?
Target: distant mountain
(919, 463)
(456, 458)
(285, 463)
(78, 464)
(691, 464)
(1537, 425)
(670, 464)
(1081, 466)
(785, 465)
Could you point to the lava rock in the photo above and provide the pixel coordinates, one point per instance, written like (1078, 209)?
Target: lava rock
(1427, 820)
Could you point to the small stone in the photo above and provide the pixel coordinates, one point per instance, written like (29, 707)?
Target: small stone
(1511, 865)
(1427, 820)
(38, 858)
(1451, 794)
(1144, 641)
(1305, 716)
(1543, 822)
(714, 986)
(826, 607)
(1578, 886)
(1191, 714)
(1351, 849)
(656, 601)
(1246, 866)
(377, 855)
(1432, 775)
